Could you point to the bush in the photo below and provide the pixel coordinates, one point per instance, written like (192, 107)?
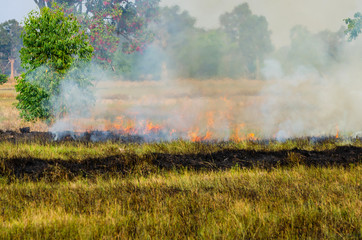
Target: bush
(3, 78)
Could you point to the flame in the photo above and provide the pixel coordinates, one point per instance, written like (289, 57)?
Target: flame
(208, 136)
(130, 128)
(208, 127)
(251, 137)
(195, 136)
(235, 136)
(173, 131)
(210, 119)
(337, 129)
(151, 127)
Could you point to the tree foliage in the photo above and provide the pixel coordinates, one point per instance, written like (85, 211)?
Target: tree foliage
(249, 38)
(3, 78)
(110, 23)
(54, 46)
(10, 44)
(354, 26)
(192, 52)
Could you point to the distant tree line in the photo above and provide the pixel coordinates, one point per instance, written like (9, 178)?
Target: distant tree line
(237, 49)
(140, 40)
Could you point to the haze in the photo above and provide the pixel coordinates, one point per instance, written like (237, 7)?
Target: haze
(282, 15)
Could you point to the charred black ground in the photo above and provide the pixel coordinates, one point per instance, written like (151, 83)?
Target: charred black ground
(127, 163)
(26, 136)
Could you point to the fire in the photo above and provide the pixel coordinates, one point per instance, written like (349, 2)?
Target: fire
(210, 119)
(130, 128)
(251, 137)
(195, 137)
(235, 136)
(173, 131)
(208, 136)
(209, 128)
(151, 127)
(337, 129)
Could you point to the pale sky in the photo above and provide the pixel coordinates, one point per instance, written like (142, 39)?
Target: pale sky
(282, 15)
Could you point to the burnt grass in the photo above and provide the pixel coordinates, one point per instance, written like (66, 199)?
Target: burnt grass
(129, 163)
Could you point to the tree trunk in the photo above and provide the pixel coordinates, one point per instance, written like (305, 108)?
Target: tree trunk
(12, 70)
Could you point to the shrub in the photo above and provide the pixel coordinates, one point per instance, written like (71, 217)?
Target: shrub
(3, 78)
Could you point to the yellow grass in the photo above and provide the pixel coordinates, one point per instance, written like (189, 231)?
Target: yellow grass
(297, 203)
(9, 115)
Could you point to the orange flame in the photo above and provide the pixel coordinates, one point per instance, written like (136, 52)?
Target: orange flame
(195, 137)
(235, 136)
(210, 119)
(151, 127)
(207, 136)
(129, 125)
(130, 128)
(251, 137)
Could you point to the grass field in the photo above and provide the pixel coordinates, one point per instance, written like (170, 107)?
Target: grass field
(299, 202)
(300, 189)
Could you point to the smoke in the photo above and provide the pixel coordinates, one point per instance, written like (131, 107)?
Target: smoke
(310, 103)
(310, 88)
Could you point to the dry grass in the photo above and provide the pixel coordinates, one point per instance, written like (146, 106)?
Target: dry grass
(9, 115)
(297, 203)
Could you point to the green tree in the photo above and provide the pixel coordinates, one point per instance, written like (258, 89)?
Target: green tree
(54, 47)
(3, 78)
(175, 32)
(249, 40)
(10, 44)
(354, 26)
(204, 55)
(110, 23)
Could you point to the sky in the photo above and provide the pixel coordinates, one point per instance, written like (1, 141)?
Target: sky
(282, 15)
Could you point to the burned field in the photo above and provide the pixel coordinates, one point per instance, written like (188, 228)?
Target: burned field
(155, 171)
(125, 155)
(116, 177)
(123, 186)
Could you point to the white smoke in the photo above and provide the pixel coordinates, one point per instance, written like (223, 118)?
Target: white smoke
(314, 104)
